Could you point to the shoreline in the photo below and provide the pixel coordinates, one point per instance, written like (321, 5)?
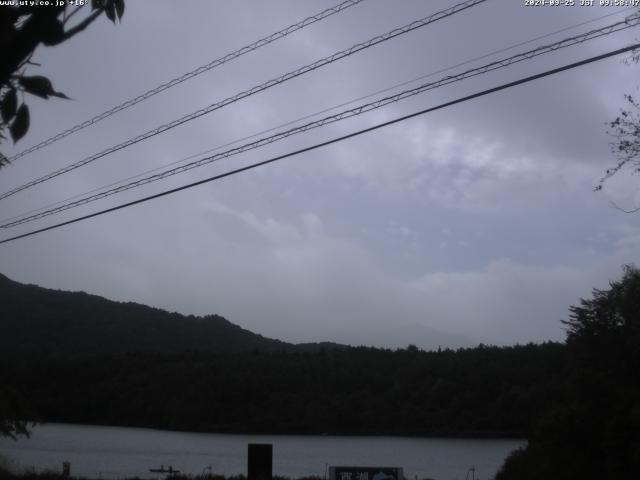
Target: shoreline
(439, 436)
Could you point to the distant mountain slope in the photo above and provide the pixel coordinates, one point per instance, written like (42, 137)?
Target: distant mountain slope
(40, 322)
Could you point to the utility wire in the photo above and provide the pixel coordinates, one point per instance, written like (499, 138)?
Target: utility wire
(258, 88)
(193, 73)
(629, 22)
(306, 117)
(332, 141)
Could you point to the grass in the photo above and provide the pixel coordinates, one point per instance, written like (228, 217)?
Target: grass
(5, 474)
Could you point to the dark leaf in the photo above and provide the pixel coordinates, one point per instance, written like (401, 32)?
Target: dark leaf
(110, 10)
(119, 8)
(96, 4)
(60, 95)
(52, 32)
(37, 85)
(9, 105)
(3, 160)
(20, 125)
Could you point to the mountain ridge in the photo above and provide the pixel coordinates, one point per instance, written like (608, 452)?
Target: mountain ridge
(44, 322)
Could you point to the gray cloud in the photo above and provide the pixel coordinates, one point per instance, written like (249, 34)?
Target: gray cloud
(475, 223)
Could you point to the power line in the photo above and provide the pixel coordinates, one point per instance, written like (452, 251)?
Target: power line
(306, 117)
(629, 22)
(332, 141)
(193, 73)
(256, 89)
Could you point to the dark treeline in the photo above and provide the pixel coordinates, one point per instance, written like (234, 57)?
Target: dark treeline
(75, 357)
(591, 429)
(577, 403)
(479, 392)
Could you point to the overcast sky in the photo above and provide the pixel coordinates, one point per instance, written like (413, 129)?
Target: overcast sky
(476, 223)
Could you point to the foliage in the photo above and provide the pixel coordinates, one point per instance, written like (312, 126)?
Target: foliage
(592, 430)
(23, 28)
(479, 392)
(625, 130)
(48, 324)
(578, 404)
(86, 359)
(5, 467)
(52, 475)
(13, 414)
(610, 316)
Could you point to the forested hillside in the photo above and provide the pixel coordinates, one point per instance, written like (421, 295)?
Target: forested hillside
(485, 391)
(76, 357)
(577, 403)
(42, 323)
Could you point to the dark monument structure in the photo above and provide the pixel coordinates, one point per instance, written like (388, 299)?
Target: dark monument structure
(260, 461)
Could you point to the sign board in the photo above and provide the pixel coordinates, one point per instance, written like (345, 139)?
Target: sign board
(365, 473)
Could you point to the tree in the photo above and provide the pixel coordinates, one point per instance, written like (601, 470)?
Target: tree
(625, 130)
(13, 414)
(611, 316)
(22, 29)
(591, 430)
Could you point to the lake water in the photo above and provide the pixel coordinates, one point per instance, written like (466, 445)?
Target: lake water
(116, 452)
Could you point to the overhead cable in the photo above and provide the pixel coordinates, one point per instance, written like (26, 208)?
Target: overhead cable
(315, 114)
(629, 22)
(193, 73)
(258, 88)
(330, 142)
